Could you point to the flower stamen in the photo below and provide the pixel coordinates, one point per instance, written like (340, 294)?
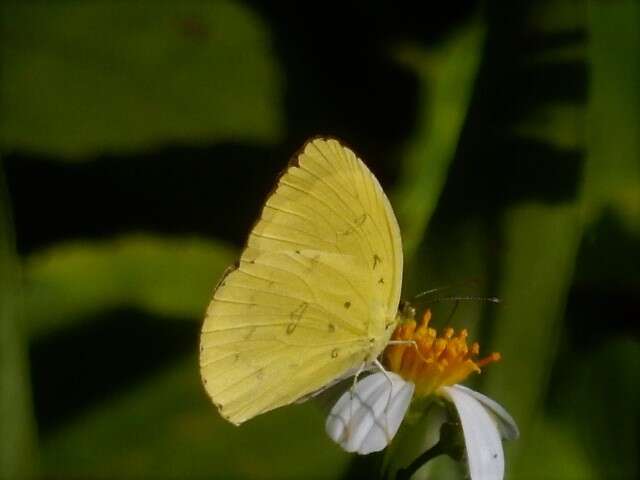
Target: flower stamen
(419, 355)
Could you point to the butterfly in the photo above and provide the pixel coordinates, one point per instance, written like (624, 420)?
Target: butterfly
(314, 296)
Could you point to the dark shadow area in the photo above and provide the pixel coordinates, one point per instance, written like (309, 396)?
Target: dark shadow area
(608, 258)
(595, 315)
(494, 167)
(75, 368)
(604, 302)
(213, 191)
(340, 72)
(365, 466)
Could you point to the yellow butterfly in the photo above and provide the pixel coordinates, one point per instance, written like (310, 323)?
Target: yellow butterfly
(315, 293)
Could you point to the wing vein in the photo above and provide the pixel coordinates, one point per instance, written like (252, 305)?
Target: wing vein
(350, 223)
(340, 197)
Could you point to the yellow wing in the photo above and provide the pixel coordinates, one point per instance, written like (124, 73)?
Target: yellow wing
(315, 292)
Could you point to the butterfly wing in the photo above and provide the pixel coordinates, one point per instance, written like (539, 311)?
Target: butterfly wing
(315, 292)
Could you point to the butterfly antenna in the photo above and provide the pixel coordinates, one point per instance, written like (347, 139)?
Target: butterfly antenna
(469, 299)
(430, 292)
(457, 301)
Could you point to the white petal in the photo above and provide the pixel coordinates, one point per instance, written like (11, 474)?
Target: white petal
(506, 423)
(366, 419)
(481, 435)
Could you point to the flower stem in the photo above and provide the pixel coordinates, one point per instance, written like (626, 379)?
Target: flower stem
(450, 444)
(435, 451)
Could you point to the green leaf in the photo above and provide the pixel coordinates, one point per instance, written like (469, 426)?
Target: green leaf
(446, 78)
(163, 276)
(557, 124)
(85, 77)
(555, 450)
(17, 432)
(592, 405)
(541, 245)
(613, 171)
(602, 401)
(167, 427)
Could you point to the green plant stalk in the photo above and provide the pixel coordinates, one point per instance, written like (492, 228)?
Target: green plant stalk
(17, 432)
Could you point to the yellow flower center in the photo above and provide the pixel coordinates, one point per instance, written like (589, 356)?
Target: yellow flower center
(420, 356)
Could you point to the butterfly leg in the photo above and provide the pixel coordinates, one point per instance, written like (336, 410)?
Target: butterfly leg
(356, 376)
(408, 342)
(353, 387)
(377, 363)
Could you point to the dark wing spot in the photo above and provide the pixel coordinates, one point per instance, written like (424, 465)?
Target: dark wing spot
(299, 311)
(381, 280)
(298, 252)
(334, 353)
(250, 333)
(313, 261)
(347, 305)
(296, 316)
(358, 221)
(332, 327)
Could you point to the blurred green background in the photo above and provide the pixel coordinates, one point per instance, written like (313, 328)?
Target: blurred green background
(139, 139)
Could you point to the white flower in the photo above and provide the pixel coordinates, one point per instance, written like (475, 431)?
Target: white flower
(424, 365)
(366, 418)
